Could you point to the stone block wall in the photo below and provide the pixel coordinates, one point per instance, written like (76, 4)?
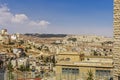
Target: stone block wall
(116, 50)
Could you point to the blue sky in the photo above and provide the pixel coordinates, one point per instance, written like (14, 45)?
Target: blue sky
(58, 16)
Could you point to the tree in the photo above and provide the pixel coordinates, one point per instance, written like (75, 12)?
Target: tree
(10, 69)
(10, 66)
(72, 39)
(53, 60)
(95, 53)
(90, 75)
(24, 68)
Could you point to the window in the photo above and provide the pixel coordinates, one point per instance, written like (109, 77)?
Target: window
(70, 70)
(67, 59)
(103, 72)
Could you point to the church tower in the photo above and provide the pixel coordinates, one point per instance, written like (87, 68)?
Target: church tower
(116, 50)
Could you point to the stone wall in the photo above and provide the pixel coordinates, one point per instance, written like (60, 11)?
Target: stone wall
(116, 51)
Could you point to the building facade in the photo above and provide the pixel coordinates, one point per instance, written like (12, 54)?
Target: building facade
(73, 66)
(116, 55)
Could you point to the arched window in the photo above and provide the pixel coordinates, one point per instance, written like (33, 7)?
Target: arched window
(67, 59)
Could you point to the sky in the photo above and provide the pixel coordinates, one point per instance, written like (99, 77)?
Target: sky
(89, 17)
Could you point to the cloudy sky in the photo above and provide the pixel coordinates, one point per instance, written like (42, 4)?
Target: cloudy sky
(57, 16)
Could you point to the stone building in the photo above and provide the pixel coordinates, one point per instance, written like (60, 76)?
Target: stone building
(75, 66)
(116, 55)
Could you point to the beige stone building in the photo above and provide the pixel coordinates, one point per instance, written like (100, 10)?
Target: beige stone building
(75, 66)
(116, 56)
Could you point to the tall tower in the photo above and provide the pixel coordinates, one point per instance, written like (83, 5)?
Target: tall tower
(116, 55)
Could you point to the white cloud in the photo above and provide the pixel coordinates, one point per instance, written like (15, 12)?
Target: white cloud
(39, 23)
(5, 15)
(43, 23)
(8, 19)
(19, 18)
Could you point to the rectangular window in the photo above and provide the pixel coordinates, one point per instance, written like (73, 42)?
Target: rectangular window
(103, 72)
(70, 71)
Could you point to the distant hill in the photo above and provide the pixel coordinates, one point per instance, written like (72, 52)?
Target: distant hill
(45, 35)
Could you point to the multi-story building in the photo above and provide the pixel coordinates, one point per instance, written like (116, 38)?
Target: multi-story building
(73, 66)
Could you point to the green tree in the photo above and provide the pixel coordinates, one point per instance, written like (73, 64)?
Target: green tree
(72, 39)
(10, 69)
(24, 68)
(90, 75)
(53, 60)
(10, 66)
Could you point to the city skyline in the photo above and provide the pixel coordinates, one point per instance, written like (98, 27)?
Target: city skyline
(61, 17)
